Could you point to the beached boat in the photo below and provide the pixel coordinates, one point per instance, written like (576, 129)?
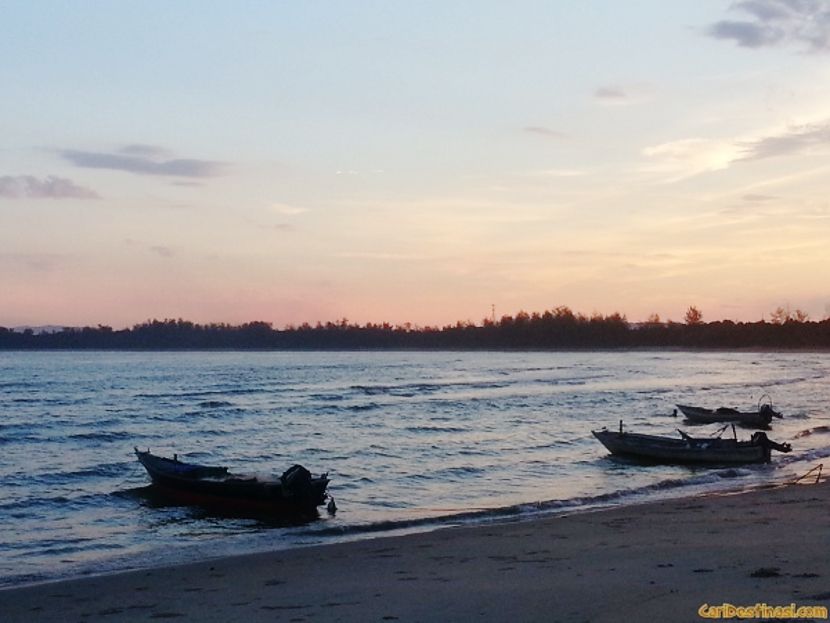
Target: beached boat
(753, 419)
(687, 449)
(215, 488)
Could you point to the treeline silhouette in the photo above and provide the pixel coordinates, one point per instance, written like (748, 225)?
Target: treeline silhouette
(555, 329)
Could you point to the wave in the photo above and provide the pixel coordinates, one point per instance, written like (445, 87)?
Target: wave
(103, 436)
(97, 471)
(436, 429)
(46, 401)
(215, 404)
(813, 431)
(804, 457)
(52, 502)
(215, 412)
(530, 510)
(794, 380)
(231, 391)
(480, 431)
(327, 397)
(409, 390)
(369, 406)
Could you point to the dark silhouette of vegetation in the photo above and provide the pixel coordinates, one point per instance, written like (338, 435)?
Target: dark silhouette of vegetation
(694, 316)
(556, 329)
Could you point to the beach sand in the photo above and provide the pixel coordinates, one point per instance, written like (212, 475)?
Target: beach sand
(653, 562)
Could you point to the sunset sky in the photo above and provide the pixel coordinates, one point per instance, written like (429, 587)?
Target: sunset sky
(412, 161)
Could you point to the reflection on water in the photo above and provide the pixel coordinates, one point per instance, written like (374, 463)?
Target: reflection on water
(408, 438)
(151, 497)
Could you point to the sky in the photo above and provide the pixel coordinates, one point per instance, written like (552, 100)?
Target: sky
(412, 161)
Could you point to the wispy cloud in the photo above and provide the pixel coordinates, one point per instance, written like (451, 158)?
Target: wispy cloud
(383, 257)
(40, 262)
(687, 157)
(623, 94)
(162, 250)
(544, 131)
(144, 160)
(610, 93)
(794, 140)
(756, 198)
(356, 172)
(51, 187)
(145, 151)
(285, 209)
(157, 249)
(555, 173)
(805, 23)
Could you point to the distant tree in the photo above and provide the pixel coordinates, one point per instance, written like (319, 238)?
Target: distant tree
(694, 316)
(779, 315)
(564, 313)
(801, 316)
(653, 319)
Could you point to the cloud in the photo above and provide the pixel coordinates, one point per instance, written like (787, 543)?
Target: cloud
(795, 140)
(157, 249)
(623, 95)
(543, 131)
(162, 251)
(51, 187)
(383, 257)
(356, 172)
(805, 23)
(556, 173)
(144, 160)
(145, 151)
(687, 157)
(284, 209)
(746, 34)
(610, 93)
(41, 262)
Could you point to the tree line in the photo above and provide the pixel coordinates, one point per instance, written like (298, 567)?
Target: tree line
(554, 329)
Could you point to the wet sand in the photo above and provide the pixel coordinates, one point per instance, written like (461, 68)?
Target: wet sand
(659, 561)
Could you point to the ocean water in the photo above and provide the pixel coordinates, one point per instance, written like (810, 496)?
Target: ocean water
(412, 441)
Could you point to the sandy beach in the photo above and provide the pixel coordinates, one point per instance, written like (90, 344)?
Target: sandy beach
(663, 561)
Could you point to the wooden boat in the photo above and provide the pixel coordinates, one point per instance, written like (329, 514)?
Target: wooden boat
(753, 419)
(296, 492)
(687, 449)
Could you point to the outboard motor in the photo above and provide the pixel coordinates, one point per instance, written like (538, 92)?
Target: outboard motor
(296, 480)
(761, 438)
(767, 412)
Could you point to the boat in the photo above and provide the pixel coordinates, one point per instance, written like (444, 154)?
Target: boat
(296, 492)
(752, 419)
(688, 449)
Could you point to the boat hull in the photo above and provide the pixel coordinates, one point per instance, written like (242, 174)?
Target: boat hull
(700, 415)
(216, 489)
(690, 451)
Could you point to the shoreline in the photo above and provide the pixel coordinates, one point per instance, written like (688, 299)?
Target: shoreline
(522, 512)
(796, 349)
(659, 560)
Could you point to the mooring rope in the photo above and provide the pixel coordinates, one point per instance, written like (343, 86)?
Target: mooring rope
(817, 468)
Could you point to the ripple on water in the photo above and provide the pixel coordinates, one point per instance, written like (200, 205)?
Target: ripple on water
(411, 440)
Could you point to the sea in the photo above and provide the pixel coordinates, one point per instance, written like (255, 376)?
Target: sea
(412, 441)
